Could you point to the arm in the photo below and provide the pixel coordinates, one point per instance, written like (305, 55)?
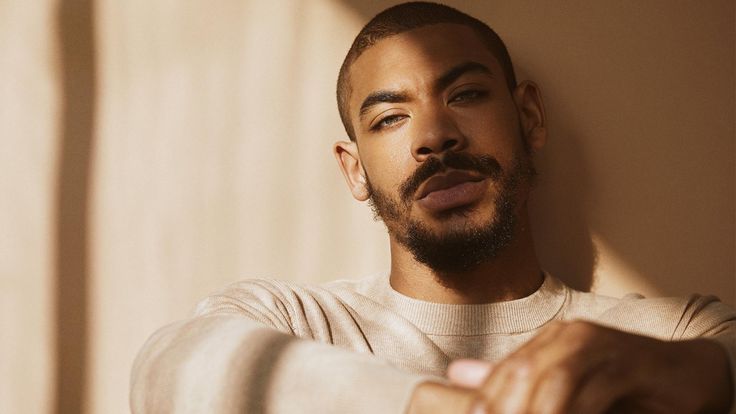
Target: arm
(580, 367)
(264, 345)
(584, 367)
(229, 364)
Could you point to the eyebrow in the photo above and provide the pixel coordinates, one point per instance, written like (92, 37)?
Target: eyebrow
(380, 97)
(445, 80)
(457, 71)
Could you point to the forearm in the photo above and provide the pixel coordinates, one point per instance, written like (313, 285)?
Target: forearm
(229, 364)
(583, 367)
(727, 341)
(715, 321)
(707, 374)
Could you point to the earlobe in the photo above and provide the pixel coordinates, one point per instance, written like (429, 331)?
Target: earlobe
(360, 190)
(532, 118)
(348, 159)
(536, 138)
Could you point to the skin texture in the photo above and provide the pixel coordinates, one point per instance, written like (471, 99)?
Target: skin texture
(505, 125)
(570, 366)
(580, 367)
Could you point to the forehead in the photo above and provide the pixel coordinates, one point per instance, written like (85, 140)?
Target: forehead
(415, 58)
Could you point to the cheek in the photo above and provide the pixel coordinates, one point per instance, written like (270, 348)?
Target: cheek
(493, 130)
(386, 166)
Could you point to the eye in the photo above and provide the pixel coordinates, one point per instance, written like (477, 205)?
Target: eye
(468, 95)
(387, 122)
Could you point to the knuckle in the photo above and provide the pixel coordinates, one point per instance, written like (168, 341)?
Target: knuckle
(520, 365)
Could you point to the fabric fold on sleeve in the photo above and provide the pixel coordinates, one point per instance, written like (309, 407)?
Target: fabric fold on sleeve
(230, 364)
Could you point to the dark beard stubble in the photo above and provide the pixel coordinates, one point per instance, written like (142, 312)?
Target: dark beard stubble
(459, 250)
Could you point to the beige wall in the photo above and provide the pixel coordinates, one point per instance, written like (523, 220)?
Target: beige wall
(187, 144)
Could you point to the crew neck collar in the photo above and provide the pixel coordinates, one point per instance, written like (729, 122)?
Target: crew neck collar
(508, 317)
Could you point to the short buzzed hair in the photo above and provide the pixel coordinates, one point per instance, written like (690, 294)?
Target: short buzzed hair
(408, 16)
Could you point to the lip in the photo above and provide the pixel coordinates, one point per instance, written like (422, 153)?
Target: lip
(446, 181)
(449, 191)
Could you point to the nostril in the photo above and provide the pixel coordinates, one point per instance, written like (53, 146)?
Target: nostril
(424, 151)
(449, 144)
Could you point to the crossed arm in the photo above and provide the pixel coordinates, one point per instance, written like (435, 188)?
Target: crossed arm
(234, 365)
(580, 367)
(242, 355)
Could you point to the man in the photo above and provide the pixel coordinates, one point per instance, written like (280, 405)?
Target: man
(442, 139)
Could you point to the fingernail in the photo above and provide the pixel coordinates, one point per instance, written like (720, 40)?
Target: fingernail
(470, 372)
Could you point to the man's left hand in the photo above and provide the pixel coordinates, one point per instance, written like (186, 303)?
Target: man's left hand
(581, 367)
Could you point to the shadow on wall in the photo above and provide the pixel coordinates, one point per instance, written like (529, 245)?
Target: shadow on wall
(558, 205)
(75, 33)
(562, 233)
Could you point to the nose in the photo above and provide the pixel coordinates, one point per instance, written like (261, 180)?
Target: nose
(435, 132)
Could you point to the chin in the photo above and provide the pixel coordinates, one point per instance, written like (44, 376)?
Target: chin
(453, 231)
(460, 218)
(460, 239)
(459, 244)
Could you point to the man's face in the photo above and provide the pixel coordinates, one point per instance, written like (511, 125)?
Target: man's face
(439, 139)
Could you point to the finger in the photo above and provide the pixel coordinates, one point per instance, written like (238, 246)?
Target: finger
(431, 398)
(497, 387)
(513, 380)
(578, 388)
(470, 373)
(515, 392)
(520, 358)
(549, 373)
(601, 391)
(554, 392)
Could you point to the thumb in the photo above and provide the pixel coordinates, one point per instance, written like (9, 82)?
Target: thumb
(470, 373)
(435, 398)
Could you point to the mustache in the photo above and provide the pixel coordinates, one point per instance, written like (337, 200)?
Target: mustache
(486, 165)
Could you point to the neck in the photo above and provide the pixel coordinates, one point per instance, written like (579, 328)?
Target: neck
(514, 273)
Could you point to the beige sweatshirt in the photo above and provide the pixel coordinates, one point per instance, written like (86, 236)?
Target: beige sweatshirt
(361, 347)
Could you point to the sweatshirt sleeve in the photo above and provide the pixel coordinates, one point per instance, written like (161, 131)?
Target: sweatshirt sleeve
(677, 319)
(241, 356)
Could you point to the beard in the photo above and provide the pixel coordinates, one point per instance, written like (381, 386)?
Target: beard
(457, 249)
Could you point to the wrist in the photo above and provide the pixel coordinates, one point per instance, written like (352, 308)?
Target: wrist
(724, 384)
(707, 368)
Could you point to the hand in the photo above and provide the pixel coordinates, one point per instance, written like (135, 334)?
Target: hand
(436, 398)
(580, 367)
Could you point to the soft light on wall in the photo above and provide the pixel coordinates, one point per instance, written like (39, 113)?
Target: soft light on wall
(205, 157)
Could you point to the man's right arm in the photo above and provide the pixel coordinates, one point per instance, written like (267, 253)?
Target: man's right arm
(231, 364)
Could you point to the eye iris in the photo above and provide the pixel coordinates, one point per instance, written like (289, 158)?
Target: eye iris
(389, 120)
(466, 95)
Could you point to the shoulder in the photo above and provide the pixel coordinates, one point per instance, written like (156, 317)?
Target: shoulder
(669, 318)
(292, 307)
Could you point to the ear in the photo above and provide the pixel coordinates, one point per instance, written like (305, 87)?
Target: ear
(348, 158)
(529, 104)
